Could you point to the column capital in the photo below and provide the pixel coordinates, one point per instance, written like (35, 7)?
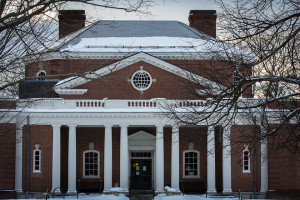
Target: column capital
(55, 125)
(72, 125)
(108, 125)
(124, 125)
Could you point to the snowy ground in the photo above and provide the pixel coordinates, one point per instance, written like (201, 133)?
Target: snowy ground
(158, 197)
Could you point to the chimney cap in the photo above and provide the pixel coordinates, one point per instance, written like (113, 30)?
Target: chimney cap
(203, 12)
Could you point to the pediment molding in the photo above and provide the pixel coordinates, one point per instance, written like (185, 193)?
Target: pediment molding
(76, 81)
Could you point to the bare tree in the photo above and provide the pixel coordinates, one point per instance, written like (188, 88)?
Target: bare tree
(260, 54)
(28, 29)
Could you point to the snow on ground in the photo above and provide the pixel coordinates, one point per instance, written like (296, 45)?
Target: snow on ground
(158, 197)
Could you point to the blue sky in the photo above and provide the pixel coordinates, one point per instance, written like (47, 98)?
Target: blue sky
(163, 10)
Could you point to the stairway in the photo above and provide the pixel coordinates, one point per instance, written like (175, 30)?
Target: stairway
(141, 195)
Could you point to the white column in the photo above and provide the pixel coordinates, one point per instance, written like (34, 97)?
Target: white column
(72, 160)
(159, 159)
(108, 158)
(264, 163)
(56, 158)
(175, 159)
(226, 160)
(19, 146)
(211, 172)
(124, 176)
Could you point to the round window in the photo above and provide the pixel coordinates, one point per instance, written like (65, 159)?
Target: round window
(141, 80)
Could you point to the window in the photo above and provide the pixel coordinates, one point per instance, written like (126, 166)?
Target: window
(91, 160)
(191, 164)
(37, 159)
(246, 160)
(236, 79)
(141, 80)
(41, 74)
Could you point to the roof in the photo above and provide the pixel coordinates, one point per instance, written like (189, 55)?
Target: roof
(124, 28)
(117, 34)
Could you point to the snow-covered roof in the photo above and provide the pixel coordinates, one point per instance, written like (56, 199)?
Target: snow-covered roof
(137, 36)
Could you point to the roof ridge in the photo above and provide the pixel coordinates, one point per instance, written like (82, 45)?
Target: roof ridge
(78, 33)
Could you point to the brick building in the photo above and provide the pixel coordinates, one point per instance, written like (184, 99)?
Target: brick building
(109, 128)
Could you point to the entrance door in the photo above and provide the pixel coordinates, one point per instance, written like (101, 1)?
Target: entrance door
(141, 174)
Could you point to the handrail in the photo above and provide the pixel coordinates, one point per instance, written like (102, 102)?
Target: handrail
(240, 195)
(182, 186)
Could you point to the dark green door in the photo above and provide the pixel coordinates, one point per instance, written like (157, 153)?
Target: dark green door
(141, 174)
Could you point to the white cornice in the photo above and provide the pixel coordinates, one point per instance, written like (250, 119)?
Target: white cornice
(122, 55)
(71, 91)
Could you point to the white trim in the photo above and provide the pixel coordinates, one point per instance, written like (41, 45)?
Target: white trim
(71, 91)
(198, 164)
(39, 160)
(246, 150)
(145, 72)
(41, 77)
(76, 81)
(120, 55)
(83, 162)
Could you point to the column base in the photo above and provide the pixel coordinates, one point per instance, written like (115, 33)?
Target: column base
(56, 191)
(125, 190)
(106, 190)
(211, 192)
(159, 191)
(19, 191)
(227, 191)
(72, 192)
(263, 191)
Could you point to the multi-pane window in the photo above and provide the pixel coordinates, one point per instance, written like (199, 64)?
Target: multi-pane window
(37, 160)
(41, 75)
(236, 79)
(191, 164)
(246, 160)
(141, 80)
(91, 164)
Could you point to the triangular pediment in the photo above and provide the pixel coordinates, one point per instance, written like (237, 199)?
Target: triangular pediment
(141, 136)
(72, 82)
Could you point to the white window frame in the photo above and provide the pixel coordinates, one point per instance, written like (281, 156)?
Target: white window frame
(38, 74)
(141, 71)
(198, 164)
(34, 160)
(83, 173)
(248, 170)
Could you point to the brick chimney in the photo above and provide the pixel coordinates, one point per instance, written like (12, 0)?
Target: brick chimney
(204, 21)
(70, 21)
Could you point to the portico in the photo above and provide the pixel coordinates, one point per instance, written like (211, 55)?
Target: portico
(132, 133)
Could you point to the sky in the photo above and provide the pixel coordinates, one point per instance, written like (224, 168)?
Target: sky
(162, 10)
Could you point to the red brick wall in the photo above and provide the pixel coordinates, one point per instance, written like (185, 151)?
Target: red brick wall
(117, 83)
(64, 148)
(42, 135)
(239, 137)
(117, 86)
(167, 155)
(7, 156)
(116, 156)
(198, 136)
(85, 135)
(284, 160)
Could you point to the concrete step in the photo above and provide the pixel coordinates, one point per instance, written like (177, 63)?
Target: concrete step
(217, 196)
(141, 197)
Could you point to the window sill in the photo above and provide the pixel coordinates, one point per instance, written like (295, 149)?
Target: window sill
(191, 177)
(91, 177)
(246, 172)
(37, 172)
